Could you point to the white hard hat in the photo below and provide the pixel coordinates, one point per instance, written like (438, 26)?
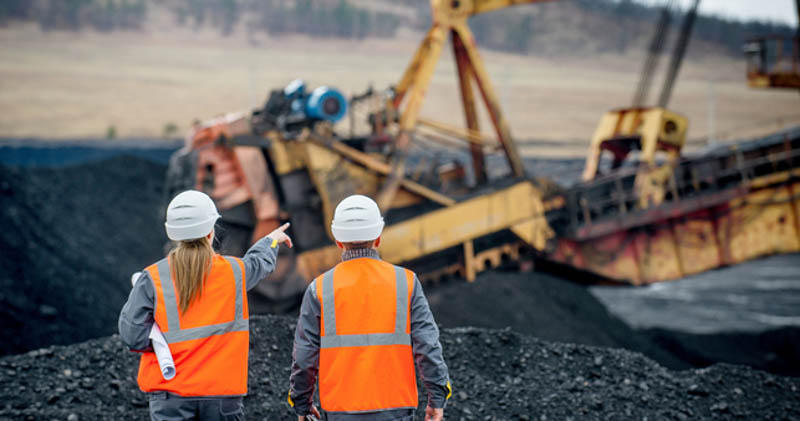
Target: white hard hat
(357, 218)
(190, 215)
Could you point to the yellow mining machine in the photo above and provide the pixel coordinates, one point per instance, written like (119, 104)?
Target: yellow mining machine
(286, 162)
(660, 215)
(456, 211)
(774, 61)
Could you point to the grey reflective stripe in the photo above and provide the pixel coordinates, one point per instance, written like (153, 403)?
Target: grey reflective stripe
(328, 303)
(174, 332)
(237, 275)
(402, 300)
(206, 331)
(338, 341)
(168, 288)
(399, 337)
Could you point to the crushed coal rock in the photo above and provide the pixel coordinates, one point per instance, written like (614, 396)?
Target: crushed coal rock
(496, 375)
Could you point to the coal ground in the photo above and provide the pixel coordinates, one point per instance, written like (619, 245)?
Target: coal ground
(551, 308)
(496, 375)
(68, 251)
(73, 234)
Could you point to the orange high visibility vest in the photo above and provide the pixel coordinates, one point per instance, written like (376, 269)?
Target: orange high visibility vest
(366, 363)
(209, 342)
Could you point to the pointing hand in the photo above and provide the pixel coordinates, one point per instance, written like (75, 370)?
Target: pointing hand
(280, 236)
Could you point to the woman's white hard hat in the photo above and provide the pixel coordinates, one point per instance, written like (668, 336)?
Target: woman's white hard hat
(190, 215)
(357, 218)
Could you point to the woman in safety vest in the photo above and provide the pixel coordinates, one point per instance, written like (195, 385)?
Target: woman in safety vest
(198, 299)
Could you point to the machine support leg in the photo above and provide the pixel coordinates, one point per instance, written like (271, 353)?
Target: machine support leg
(427, 65)
(469, 261)
(492, 104)
(411, 71)
(465, 75)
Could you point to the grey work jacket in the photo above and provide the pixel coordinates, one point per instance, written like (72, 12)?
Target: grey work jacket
(136, 317)
(424, 343)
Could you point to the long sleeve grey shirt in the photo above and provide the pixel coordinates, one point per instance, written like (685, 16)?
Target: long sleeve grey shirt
(425, 345)
(136, 317)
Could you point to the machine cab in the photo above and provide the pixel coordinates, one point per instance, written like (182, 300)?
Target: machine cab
(772, 62)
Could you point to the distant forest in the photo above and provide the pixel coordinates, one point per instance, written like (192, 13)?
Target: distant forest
(522, 30)
(313, 17)
(576, 25)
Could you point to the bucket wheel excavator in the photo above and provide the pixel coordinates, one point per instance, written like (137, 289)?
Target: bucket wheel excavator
(654, 214)
(286, 162)
(457, 201)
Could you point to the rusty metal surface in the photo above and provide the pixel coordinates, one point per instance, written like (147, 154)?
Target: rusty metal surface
(758, 223)
(732, 205)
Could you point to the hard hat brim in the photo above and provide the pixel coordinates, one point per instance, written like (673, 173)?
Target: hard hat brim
(357, 234)
(190, 232)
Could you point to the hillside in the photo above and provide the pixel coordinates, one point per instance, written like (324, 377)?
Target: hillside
(151, 78)
(565, 27)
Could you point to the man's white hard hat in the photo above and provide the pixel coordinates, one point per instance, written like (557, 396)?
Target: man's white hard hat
(190, 215)
(356, 219)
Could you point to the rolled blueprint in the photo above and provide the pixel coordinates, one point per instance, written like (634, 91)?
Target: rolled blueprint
(160, 346)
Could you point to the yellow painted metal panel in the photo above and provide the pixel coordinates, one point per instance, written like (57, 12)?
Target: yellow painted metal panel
(535, 231)
(794, 190)
(658, 257)
(697, 245)
(612, 256)
(438, 230)
(286, 156)
(760, 223)
(311, 264)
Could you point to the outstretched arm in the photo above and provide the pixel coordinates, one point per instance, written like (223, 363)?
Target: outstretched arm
(260, 259)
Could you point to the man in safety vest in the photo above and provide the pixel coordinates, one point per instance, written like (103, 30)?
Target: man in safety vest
(362, 326)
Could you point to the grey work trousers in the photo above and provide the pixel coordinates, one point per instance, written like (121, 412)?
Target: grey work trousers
(166, 407)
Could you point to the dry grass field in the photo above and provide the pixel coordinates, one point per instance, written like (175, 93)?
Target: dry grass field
(67, 85)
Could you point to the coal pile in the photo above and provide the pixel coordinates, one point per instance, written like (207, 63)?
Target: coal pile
(540, 305)
(496, 374)
(71, 238)
(776, 350)
(554, 309)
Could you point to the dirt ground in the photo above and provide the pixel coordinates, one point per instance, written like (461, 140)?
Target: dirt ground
(60, 85)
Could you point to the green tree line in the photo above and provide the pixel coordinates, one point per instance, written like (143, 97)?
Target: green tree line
(338, 19)
(102, 15)
(522, 29)
(324, 19)
(513, 29)
(321, 18)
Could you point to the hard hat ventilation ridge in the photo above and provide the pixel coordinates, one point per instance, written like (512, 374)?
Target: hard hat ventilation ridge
(356, 219)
